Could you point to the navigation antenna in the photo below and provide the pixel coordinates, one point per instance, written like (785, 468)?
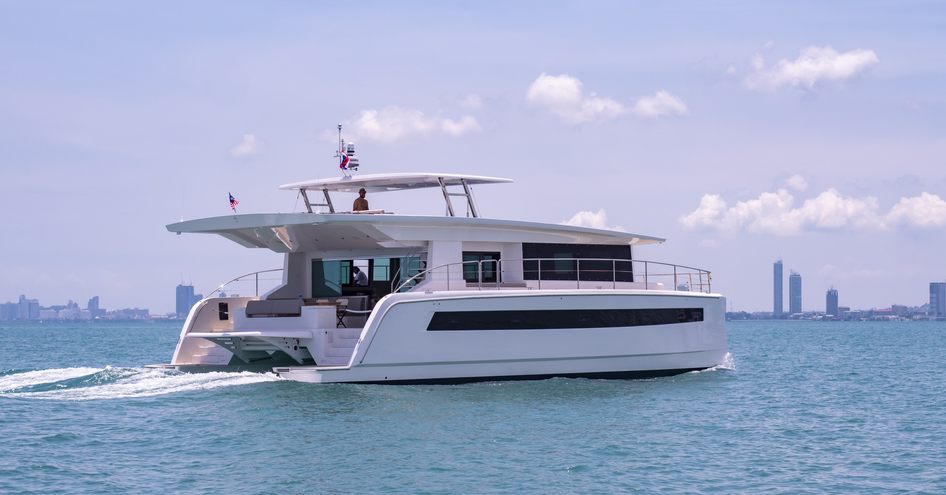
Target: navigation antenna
(347, 161)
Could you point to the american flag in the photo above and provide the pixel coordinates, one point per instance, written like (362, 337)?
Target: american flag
(344, 163)
(233, 202)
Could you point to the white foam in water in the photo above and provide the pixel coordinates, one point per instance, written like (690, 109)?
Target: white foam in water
(140, 382)
(40, 377)
(728, 364)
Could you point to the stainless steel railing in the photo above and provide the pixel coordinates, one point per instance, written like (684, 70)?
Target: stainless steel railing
(253, 277)
(602, 270)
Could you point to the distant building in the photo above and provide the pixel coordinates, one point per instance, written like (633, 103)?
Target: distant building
(185, 298)
(49, 314)
(938, 299)
(28, 309)
(9, 311)
(93, 307)
(777, 289)
(128, 314)
(831, 302)
(794, 293)
(184, 295)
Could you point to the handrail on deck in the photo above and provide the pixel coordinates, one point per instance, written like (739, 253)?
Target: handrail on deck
(255, 275)
(697, 279)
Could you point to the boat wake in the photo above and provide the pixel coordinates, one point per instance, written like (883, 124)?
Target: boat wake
(79, 384)
(728, 364)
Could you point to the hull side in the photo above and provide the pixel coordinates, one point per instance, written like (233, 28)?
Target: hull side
(399, 346)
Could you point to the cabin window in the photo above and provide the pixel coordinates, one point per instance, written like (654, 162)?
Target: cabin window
(327, 278)
(560, 263)
(344, 272)
(381, 271)
(477, 263)
(408, 267)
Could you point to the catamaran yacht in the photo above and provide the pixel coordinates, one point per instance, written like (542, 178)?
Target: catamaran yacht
(447, 299)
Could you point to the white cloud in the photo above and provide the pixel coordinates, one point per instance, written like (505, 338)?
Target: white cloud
(776, 213)
(592, 219)
(394, 123)
(471, 102)
(661, 104)
(797, 183)
(814, 64)
(250, 145)
(563, 96)
(926, 210)
(831, 211)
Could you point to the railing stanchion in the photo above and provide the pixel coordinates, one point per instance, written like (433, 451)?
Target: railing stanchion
(499, 273)
(614, 274)
(674, 277)
(539, 276)
(646, 284)
(257, 284)
(479, 275)
(578, 274)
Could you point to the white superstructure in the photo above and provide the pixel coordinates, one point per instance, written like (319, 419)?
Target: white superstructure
(449, 299)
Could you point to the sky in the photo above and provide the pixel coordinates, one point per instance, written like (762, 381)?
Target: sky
(742, 132)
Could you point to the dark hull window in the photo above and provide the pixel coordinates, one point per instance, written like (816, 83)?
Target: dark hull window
(561, 318)
(567, 269)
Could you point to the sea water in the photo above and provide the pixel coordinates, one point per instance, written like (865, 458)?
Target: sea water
(801, 407)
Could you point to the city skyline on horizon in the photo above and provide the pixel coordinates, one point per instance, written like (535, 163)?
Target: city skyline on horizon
(812, 308)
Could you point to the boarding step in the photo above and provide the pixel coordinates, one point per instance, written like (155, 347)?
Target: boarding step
(347, 333)
(338, 341)
(333, 362)
(243, 344)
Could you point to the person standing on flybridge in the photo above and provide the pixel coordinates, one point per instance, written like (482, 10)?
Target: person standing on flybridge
(360, 204)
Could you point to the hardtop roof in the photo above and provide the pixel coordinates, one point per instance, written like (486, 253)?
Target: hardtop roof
(392, 182)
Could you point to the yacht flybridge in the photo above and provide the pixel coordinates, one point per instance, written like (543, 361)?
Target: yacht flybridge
(375, 296)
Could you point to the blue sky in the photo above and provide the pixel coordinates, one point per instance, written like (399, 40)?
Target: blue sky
(742, 132)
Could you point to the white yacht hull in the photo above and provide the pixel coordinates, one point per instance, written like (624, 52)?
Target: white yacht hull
(401, 343)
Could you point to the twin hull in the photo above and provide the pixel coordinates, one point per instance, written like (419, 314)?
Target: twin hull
(462, 336)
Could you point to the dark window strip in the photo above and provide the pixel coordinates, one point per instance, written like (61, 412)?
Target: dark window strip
(566, 269)
(560, 318)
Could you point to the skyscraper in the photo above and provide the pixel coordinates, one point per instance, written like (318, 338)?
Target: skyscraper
(185, 299)
(93, 307)
(777, 290)
(794, 293)
(938, 299)
(831, 302)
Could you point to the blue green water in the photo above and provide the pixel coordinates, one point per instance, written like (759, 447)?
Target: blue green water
(804, 407)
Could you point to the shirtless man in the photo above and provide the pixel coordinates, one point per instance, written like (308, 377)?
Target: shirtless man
(361, 204)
